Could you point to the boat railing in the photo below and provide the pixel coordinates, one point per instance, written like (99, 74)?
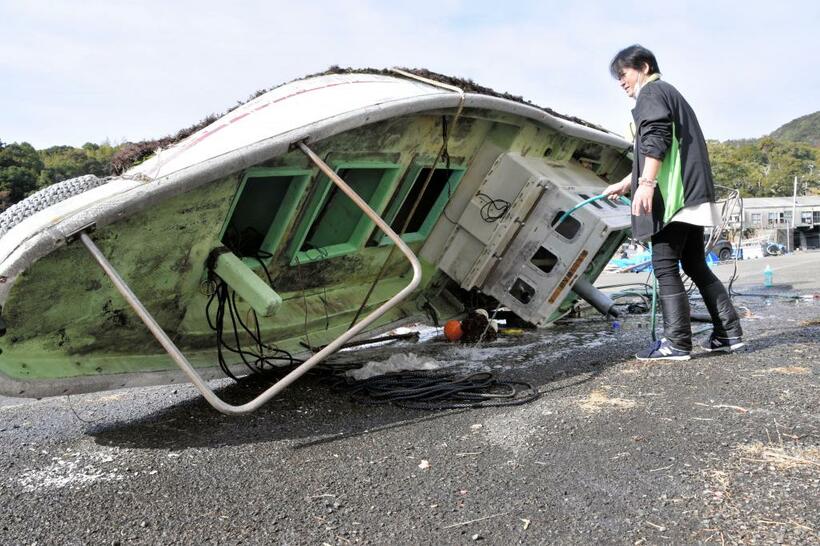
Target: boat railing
(179, 358)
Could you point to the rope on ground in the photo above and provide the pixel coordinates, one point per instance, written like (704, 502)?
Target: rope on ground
(433, 390)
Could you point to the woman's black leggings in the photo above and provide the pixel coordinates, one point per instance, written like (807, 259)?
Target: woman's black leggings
(680, 242)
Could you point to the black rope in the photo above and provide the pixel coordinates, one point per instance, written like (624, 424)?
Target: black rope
(439, 390)
(445, 154)
(493, 209)
(262, 356)
(733, 278)
(431, 312)
(409, 389)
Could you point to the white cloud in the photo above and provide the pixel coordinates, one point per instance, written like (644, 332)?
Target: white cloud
(86, 71)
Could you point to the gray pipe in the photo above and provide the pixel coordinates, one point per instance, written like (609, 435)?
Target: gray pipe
(595, 297)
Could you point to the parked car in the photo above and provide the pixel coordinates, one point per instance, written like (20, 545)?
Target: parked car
(723, 250)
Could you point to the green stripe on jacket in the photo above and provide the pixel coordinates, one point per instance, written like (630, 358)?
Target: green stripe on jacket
(670, 179)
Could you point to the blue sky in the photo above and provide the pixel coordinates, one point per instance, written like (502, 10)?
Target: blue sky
(74, 72)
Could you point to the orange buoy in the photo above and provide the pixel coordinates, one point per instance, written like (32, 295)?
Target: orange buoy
(452, 330)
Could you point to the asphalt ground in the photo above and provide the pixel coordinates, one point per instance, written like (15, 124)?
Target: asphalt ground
(719, 449)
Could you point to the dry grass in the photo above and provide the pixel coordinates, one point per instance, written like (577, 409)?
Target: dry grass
(730, 491)
(790, 370)
(782, 457)
(111, 397)
(599, 400)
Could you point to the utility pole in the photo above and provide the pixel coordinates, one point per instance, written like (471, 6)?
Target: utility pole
(790, 230)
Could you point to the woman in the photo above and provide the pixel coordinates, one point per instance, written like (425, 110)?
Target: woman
(673, 198)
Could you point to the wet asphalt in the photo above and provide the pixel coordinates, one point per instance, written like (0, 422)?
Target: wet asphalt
(720, 449)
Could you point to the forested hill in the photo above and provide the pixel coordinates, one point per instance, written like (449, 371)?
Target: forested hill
(24, 170)
(759, 167)
(766, 167)
(804, 129)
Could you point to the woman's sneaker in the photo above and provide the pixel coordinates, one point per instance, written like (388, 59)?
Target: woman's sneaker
(663, 350)
(725, 344)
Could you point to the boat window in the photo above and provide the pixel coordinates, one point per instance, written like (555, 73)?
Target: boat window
(522, 291)
(263, 208)
(568, 228)
(335, 225)
(544, 260)
(431, 202)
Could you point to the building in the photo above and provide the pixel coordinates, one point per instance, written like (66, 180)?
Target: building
(780, 220)
(776, 212)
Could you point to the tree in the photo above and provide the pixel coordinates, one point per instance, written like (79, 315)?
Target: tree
(20, 165)
(18, 181)
(20, 155)
(764, 167)
(64, 162)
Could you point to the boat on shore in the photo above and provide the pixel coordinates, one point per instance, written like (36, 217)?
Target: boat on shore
(327, 208)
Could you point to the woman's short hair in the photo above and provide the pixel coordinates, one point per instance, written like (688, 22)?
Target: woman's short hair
(634, 56)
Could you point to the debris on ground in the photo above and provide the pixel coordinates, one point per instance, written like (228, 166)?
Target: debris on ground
(478, 327)
(397, 362)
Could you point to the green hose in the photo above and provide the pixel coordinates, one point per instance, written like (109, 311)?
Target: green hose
(585, 203)
(654, 309)
(654, 301)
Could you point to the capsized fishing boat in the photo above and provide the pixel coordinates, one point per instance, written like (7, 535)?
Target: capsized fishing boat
(325, 208)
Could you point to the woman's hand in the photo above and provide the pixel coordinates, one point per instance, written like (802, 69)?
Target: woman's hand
(614, 191)
(642, 200)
